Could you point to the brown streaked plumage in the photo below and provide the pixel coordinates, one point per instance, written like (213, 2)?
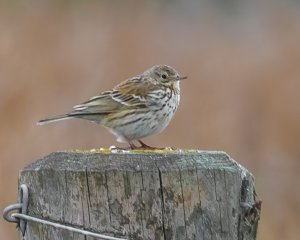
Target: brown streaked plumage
(136, 108)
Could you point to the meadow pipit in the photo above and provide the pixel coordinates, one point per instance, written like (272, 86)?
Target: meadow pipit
(136, 108)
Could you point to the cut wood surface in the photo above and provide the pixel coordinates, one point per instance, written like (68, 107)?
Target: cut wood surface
(142, 195)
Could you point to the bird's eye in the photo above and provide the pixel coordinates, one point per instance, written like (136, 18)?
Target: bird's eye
(164, 76)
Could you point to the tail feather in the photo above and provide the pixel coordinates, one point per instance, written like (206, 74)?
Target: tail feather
(54, 119)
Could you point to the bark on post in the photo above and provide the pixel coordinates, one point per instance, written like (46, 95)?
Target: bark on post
(142, 195)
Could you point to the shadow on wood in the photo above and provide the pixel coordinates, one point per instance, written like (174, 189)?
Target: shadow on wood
(187, 195)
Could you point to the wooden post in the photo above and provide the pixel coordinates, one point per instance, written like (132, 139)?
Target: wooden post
(142, 195)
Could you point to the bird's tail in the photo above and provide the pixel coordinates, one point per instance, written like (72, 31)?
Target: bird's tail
(54, 119)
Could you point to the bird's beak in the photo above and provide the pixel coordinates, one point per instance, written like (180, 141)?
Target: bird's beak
(181, 78)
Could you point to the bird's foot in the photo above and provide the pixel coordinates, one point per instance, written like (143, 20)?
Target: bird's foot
(132, 146)
(147, 147)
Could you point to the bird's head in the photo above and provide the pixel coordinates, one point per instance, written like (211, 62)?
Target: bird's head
(163, 74)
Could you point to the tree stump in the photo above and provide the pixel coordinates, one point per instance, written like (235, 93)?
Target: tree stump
(142, 195)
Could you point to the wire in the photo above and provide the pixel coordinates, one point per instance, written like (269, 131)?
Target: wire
(57, 225)
(21, 217)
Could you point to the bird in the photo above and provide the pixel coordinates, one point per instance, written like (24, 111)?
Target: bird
(135, 108)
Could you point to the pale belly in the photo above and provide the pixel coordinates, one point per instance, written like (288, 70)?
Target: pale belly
(140, 125)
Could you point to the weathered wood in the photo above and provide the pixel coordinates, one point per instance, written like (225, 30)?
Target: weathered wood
(180, 195)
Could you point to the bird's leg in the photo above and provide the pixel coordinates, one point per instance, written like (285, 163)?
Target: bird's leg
(132, 146)
(145, 146)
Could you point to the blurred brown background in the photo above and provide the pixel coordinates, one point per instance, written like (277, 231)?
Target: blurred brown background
(242, 95)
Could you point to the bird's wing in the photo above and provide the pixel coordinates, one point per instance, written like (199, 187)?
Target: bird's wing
(131, 93)
(135, 93)
(102, 104)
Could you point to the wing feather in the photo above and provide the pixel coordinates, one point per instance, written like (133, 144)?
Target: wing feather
(132, 93)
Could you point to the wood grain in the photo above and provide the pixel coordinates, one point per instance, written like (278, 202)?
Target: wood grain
(186, 195)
